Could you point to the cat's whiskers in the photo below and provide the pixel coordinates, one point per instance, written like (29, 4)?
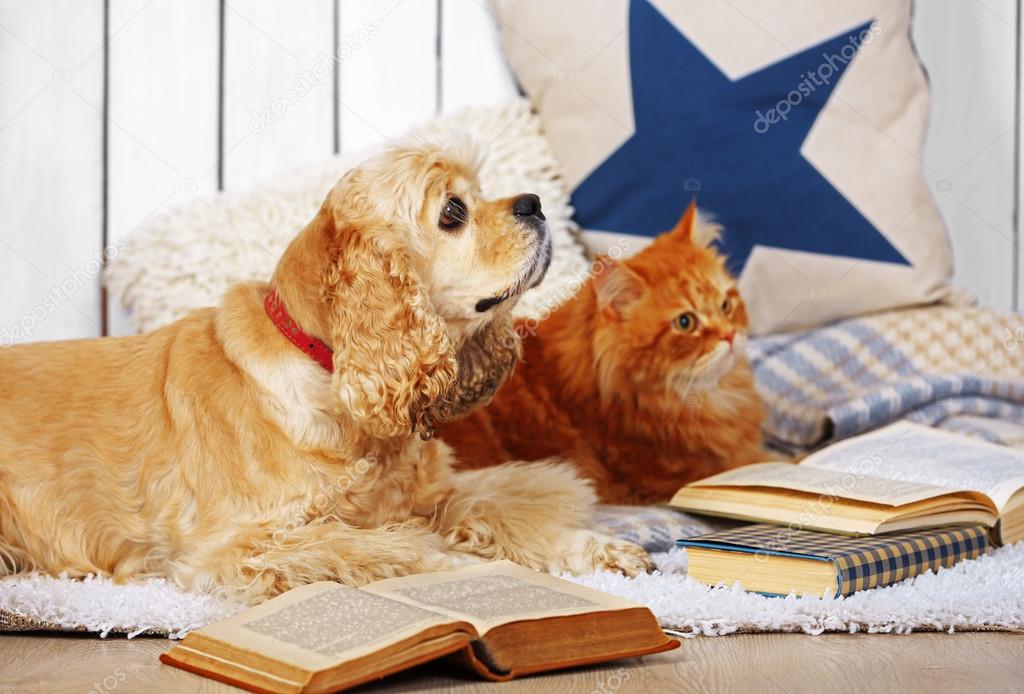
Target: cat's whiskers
(705, 374)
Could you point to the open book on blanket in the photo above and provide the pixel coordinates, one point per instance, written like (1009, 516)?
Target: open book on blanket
(902, 477)
(498, 619)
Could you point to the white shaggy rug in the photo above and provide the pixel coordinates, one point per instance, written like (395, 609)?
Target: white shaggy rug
(987, 593)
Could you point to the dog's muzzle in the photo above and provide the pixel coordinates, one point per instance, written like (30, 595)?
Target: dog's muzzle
(527, 211)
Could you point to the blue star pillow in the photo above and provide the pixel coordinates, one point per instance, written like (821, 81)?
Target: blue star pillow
(797, 125)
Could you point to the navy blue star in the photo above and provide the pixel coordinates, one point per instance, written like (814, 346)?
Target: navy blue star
(695, 135)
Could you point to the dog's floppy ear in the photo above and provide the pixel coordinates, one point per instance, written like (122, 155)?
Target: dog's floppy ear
(486, 360)
(392, 357)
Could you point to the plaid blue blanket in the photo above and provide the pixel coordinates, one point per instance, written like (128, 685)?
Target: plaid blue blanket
(957, 368)
(655, 528)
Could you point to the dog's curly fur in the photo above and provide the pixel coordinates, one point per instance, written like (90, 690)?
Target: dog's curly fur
(215, 453)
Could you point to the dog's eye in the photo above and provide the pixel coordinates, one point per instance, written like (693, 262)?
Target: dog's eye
(453, 215)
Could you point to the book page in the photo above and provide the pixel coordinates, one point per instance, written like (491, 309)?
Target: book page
(910, 453)
(323, 624)
(494, 593)
(824, 482)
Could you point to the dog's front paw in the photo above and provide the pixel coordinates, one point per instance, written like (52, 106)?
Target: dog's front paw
(624, 557)
(585, 551)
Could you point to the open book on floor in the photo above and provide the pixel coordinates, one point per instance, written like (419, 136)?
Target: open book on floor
(899, 478)
(498, 619)
(777, 560)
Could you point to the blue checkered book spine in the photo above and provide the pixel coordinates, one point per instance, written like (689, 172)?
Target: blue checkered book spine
(902, 556)
(861, 562)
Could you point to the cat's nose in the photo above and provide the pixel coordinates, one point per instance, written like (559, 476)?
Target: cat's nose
(728, 336)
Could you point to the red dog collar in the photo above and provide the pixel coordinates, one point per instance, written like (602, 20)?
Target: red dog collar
(314, 348)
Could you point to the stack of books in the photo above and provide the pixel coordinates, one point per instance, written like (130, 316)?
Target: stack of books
(867, 512)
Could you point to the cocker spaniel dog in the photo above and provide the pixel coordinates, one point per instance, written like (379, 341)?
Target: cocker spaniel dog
(285, 436)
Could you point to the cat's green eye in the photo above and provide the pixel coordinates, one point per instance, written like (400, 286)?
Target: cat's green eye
(727, 305)
(686, 322)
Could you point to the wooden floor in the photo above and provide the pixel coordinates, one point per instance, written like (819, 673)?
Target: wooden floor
(762, 663)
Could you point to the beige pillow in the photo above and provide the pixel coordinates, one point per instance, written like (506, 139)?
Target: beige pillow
(797, 124)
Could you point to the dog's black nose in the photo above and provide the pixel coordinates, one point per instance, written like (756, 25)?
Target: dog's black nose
(527, 205)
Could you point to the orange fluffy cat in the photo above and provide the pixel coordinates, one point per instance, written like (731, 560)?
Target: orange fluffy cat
(639, 379)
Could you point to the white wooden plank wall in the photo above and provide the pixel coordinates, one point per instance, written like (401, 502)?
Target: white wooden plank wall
(163, 132)
(202, 95)
(51, 169)
(970, 52)
(387, 55)
(278, 82)
(473, 70)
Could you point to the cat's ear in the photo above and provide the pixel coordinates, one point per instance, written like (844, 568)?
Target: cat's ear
(616, 287)
(683, 230)
(694, 229)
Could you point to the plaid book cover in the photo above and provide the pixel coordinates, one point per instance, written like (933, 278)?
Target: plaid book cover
(861, 562)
